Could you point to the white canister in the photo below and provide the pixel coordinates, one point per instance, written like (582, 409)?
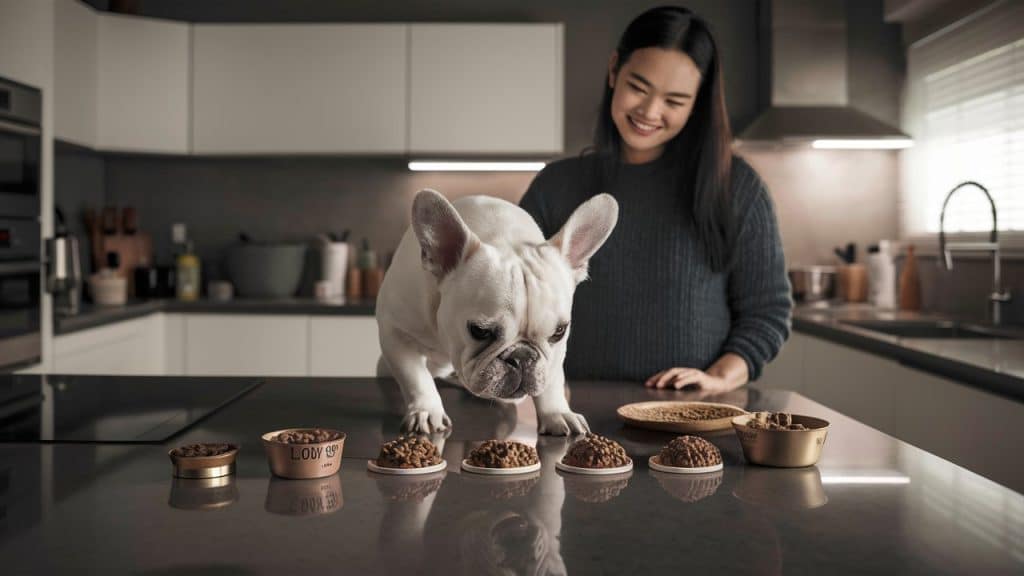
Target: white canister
(882, 276)
(333, 265)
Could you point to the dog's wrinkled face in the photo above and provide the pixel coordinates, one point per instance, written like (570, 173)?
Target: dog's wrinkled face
(503, 313)
(505, 319)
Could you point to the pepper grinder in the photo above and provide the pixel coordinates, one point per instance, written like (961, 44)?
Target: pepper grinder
(354, 278)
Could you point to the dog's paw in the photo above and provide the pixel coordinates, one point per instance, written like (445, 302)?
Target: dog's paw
(562, 424)
(426, 421)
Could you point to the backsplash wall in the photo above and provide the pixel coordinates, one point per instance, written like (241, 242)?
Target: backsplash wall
(822, 198)
(283, 199)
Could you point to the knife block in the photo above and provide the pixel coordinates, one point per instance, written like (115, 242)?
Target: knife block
(134, 250)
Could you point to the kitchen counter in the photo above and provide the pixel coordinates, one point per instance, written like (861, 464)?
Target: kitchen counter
(92, 316)
(872, 505)
(993, 365)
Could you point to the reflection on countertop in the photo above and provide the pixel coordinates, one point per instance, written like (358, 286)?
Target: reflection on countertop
(872, 504)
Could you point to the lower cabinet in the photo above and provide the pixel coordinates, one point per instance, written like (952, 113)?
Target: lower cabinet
(246, 345)
(346, 346)
(960, 423)
(130, 347)
(224, 345)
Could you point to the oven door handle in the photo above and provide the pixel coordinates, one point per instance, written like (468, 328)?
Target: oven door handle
(19, 267)
(18, 128)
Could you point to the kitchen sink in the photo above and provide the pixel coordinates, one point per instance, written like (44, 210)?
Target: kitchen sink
(931, 329)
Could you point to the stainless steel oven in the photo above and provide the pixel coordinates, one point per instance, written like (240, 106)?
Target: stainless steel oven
(20, 254)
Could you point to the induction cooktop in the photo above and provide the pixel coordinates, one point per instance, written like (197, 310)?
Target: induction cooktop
(115, 409)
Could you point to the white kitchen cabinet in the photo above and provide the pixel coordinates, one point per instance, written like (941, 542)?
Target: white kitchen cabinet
(486, 88)
(344, 346)
(785, 372)
(131, 347)
(76, 76)
(957, 422)
(143, 84)
(246, 345)
(299, 88)
(174, 344)
(26, 42)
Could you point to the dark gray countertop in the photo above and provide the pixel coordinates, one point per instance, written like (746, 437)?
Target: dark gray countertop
(872, 505)
(92, 316)
(992, 365)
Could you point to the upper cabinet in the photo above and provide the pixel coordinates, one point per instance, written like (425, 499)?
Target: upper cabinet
(75, 73)
(486, 88)
(26, 43)
(299, 88)
(143, 96)
(126, 83)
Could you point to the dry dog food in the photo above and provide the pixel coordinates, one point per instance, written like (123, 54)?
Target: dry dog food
(311, 436)
(774, 421)
(690, 452)
(202, 449)
(689, 413)
(596, 451)
(408, 452)
(503, 454)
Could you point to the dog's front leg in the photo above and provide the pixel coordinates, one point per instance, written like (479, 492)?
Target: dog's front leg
(553, 413)
(424, 412)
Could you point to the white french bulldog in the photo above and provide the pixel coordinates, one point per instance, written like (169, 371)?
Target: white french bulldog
(475, 288)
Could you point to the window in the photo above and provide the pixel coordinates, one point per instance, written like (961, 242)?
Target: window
(965, 110)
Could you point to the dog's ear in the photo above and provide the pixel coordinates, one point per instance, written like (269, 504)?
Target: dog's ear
(444, 238)
(586, 230)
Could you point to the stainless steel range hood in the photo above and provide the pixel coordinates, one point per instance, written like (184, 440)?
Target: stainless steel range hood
(805, 69)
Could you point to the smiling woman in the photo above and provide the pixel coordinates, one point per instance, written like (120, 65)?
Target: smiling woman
(690, 289)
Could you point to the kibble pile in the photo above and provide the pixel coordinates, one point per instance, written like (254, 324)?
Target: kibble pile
(596, 451)
(690, 452)
(685, 413)
(774, 421)
(408, 452)
(503, 454)
(197, 450)
(312, 436)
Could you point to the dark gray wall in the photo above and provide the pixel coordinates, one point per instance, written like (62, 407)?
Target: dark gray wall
(964, 290)
(78, 183)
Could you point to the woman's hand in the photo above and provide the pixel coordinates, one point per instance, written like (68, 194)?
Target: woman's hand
(727, 373)
(679, 377)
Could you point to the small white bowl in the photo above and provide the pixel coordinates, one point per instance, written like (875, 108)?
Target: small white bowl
(373, 467)
(468, 467)
(594, 471)
(655, 464)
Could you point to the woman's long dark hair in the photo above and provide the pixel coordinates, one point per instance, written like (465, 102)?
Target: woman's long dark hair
(700, 153)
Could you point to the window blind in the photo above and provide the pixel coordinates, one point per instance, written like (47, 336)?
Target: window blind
(964, 107)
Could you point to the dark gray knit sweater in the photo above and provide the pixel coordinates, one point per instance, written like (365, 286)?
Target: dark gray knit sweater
(652, 301)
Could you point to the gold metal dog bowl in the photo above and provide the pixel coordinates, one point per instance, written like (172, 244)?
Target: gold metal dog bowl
(204, 466)
(782, 448)
(302, 461)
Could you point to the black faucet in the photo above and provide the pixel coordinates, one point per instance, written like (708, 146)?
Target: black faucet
(998, 297)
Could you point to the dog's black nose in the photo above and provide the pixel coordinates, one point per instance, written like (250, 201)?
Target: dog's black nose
(520, 356)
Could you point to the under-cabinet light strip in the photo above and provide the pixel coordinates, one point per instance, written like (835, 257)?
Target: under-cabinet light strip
(446, 166)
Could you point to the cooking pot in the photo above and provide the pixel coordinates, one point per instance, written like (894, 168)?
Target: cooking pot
(266, 270)
(812, 283)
